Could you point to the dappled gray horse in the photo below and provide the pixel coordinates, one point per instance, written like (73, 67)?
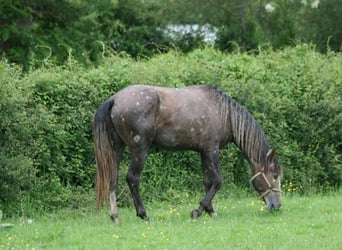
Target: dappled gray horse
(199, 118)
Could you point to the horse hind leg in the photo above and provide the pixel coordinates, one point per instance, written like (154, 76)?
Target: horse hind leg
(113, 207)
(133, 180)
(113, 213)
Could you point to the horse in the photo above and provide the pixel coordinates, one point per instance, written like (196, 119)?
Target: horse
(199, 118)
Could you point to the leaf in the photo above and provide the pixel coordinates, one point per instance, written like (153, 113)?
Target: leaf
(5, 34)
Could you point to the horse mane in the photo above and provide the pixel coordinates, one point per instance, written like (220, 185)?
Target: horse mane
(247, 134)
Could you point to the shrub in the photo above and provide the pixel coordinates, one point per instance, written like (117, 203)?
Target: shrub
(46, 148)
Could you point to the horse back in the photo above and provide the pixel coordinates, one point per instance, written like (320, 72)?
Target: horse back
(185, 118)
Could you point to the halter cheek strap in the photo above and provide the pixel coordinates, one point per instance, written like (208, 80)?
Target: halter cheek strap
(269, 186)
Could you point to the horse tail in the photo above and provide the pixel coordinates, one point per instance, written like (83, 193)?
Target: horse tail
(106, 167)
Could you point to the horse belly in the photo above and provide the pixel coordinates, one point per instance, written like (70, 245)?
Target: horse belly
(180, 132)
(172, 142)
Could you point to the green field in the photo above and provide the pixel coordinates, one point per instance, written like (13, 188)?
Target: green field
(310, 222)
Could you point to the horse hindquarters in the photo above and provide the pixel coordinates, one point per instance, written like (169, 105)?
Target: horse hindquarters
(134, 122)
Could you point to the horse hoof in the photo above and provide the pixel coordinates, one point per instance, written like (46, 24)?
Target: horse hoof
(114, 218)
(213, 214)
(195, 214)
(144, 217)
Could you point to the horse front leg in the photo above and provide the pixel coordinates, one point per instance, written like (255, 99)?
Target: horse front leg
(212, 182)
(133, 180)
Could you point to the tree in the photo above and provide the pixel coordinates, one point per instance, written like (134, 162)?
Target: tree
(133, 26)
(16, 30)
(321, 23)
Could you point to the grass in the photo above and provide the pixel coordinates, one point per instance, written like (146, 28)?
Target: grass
(311, 222)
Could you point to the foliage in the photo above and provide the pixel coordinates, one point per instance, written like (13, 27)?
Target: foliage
(46, 148)
(16, 167)
(39, 30)
(250, 24)
(35, 31)
(136, 29)
(321, 25)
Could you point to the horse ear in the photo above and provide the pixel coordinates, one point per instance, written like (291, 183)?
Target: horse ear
(270, 154)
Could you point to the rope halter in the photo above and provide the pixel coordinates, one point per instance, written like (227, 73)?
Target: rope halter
(269, 186)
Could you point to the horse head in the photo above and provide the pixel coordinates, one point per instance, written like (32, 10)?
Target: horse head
(267, 180)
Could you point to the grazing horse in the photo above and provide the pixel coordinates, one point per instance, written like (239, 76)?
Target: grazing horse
(199, 118)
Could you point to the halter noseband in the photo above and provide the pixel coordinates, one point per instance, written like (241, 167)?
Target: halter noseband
(270, 188)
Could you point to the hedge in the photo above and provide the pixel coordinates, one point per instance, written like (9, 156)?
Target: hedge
(46, 149)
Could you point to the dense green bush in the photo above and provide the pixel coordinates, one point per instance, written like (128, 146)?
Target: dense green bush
(46, 149)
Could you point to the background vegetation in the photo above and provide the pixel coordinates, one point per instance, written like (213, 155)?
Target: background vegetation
(32, 30)
(46, 122)
(284, 65)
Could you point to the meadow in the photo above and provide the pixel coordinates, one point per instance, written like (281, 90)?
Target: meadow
(304, 222)
(47, 165)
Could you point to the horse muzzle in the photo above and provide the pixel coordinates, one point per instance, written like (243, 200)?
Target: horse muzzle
(272, 200)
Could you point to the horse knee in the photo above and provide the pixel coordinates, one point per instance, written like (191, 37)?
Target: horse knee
(213, 181)
(132, 180)
(217, 182)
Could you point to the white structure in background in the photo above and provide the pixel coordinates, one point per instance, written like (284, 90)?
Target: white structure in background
(269, 8)
(315, 4)
(207, 31)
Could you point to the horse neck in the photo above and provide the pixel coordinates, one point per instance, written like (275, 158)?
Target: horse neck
(247, 134)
